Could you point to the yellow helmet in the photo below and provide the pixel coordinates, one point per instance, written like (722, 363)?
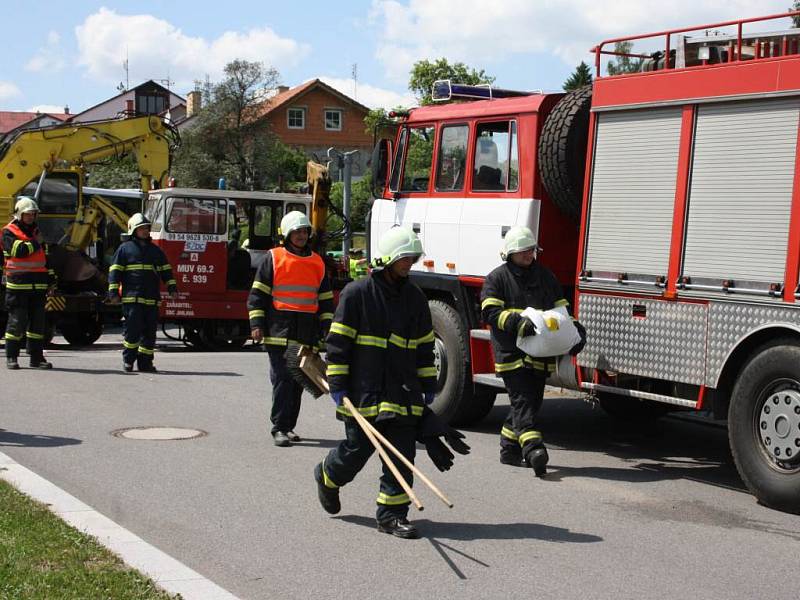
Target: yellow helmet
(137, 220)
(25, 204)
(518, 239)
(292, 221)
(398, 242)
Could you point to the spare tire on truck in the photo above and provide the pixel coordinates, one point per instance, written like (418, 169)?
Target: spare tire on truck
(562, 150)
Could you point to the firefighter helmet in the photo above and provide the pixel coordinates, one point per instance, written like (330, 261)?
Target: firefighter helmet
(136, 221)
(292, 221)
(398, 242)
(518, 239)
(25, 204)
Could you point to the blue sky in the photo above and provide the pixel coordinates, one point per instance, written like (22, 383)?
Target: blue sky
(59, 53)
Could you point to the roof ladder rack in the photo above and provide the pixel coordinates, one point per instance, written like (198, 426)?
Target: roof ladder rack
(445, 90)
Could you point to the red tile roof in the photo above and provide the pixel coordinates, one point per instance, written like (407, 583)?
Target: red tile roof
(12, 119)
(295, 92)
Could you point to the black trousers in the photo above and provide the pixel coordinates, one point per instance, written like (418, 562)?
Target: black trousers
(286, 392)
(344, 462)
(139, 333)
(526, 392)
(26, 318)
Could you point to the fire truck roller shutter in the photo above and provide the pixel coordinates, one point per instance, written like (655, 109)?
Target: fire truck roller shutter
(562, 150)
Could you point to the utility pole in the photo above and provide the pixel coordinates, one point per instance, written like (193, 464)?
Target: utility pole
(355, 81)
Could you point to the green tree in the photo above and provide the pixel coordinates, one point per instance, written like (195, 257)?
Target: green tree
(360, 199)
(425, 72)
(229, 130)
(796, 18)
(114, 174)
(622, 63)
(581, 77)
(378, 122)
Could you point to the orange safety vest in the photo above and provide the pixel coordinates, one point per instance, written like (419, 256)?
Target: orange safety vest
(296, 280)
(33, 263)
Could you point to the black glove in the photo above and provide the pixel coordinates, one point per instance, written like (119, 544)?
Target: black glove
(441, 457)
(526, 328)
(579, 346)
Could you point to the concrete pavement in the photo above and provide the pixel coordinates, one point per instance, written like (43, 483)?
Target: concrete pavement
(625, 513)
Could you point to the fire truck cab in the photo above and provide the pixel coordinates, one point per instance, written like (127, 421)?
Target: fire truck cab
(667, 202)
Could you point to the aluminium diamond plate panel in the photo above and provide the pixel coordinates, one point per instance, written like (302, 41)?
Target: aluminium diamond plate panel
(729, 323)
(650, 338)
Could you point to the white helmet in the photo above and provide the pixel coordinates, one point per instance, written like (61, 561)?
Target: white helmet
(25, 204)
(518, 239)
(292, 221)
(137, 220)
(398, 242)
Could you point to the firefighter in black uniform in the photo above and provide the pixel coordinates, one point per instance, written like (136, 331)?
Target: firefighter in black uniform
(136, 273)
(27, 279)
(380, 356)
(290, 301)
(519, 283)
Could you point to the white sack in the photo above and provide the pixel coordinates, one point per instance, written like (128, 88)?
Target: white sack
(555, 335)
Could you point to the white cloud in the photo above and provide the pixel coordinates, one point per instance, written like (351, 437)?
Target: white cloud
(369, 95)
(49, 57)
(155, 48)
(8, 90)
(46, 108)
(479, 33)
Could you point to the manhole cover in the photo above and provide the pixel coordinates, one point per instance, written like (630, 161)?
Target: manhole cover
(159, 433)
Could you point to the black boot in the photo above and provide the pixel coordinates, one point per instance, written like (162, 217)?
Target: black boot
(399, 527)
(280, 439)
(537, 460)
(328, 497)
(147, 368)
(11, 363)
(510, 458)
(127, 367)
(40, 363)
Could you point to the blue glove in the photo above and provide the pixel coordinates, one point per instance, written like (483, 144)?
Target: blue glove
(428, 397)
(338, 397)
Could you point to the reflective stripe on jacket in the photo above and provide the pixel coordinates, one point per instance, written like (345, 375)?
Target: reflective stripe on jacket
(296, 280)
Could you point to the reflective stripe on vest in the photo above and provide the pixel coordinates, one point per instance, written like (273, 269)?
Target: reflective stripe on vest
(296, 280)
(33, 263)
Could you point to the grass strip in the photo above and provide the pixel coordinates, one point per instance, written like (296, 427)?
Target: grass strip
(41, 557)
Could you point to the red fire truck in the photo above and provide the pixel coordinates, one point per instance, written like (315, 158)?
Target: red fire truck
(667, 202)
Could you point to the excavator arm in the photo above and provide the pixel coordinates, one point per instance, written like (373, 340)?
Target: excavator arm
(84, 230)
(319, 186)
(31, 153)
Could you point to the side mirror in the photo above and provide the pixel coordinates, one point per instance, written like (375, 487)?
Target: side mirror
(381, 155)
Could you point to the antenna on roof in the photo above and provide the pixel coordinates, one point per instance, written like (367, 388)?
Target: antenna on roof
(355, 81)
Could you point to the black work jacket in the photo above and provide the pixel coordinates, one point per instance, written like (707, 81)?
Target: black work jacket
(138, 268)
(14, 247)
(283, 326)
(380, 348)
(507, 291)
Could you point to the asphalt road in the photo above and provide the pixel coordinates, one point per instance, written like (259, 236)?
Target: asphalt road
(625, 512)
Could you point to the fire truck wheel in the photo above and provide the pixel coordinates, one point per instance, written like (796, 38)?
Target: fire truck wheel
(632, 410)
(562, 150)
(455, 397)
(81, 330)
(764, 426)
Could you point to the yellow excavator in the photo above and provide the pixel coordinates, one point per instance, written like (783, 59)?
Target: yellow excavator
(50, 165)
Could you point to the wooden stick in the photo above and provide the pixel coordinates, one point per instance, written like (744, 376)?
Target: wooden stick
(312, 366)
(368, 431)
(410, 465)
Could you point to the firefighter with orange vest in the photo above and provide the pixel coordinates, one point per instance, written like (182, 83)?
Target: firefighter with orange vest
(290, 301)
(27, 279)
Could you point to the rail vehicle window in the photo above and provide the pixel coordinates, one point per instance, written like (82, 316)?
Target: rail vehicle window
(195, 215)
(59, 193)
(452, 159)
(417, 171)
(496, 157)
(296, 206)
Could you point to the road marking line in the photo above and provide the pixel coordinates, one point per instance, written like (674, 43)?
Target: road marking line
(168, 573)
